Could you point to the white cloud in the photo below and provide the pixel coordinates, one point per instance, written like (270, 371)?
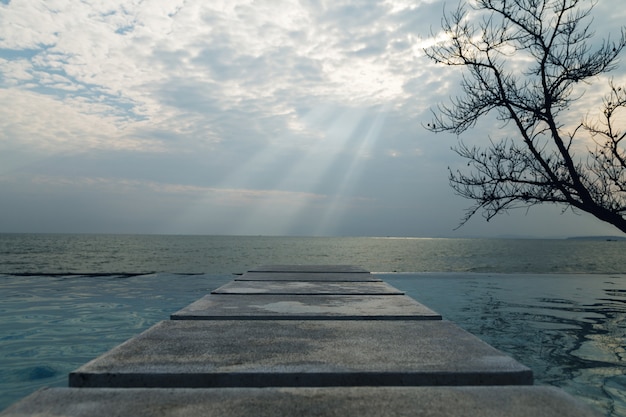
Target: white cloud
(270, 101)
(46, 125)
(164, 61)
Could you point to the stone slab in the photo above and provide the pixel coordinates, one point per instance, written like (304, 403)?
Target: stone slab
(307, 288)
(266, 353)
(309, 268)
(309, 276)
(527, 401)
(305, 307)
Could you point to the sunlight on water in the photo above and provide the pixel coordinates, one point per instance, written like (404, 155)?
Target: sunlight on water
(105, 254)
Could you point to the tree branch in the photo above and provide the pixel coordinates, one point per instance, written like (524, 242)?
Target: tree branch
(541, 167)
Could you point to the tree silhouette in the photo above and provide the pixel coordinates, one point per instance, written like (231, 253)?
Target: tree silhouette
(526, 61)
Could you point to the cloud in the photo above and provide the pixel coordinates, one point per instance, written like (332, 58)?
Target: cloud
(173, 65)
(269, 116)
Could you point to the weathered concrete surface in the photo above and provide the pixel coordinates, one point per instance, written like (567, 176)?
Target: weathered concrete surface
(224, 353)
(309, 276)
(309, 268)
(307, 288)
(305, 307)
(340, 402)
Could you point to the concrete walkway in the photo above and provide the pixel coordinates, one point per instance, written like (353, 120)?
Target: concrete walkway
(303, 340)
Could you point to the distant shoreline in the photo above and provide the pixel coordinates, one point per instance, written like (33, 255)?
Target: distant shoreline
(604, 238)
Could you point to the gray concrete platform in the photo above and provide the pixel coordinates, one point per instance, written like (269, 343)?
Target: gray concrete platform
(528, 401)
(307, 288)
(309, 276)
(309, 268)
(305, 307)
(224, 353)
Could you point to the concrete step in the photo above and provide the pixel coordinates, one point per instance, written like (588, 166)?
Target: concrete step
(323, 269)
(305, 307)
(309, 276)
(522, 401)
(307, 288)
(265, 353)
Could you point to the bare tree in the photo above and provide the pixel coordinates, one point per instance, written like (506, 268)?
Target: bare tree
(526, 61)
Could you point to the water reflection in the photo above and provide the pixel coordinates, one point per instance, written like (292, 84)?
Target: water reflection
(569, 329)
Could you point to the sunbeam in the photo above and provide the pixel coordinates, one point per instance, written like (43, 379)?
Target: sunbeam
(299, 183)
(340, 200)
(325, 139)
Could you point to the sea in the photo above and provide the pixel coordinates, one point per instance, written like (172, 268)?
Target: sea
(556, 305)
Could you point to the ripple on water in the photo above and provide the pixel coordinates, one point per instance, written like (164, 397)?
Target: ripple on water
(564, 327)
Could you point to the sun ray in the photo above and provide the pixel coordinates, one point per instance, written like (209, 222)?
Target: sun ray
(336, 208)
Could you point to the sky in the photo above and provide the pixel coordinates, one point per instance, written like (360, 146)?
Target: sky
(271, 117)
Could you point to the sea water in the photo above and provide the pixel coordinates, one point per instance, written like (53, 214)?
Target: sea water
(558, 306)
